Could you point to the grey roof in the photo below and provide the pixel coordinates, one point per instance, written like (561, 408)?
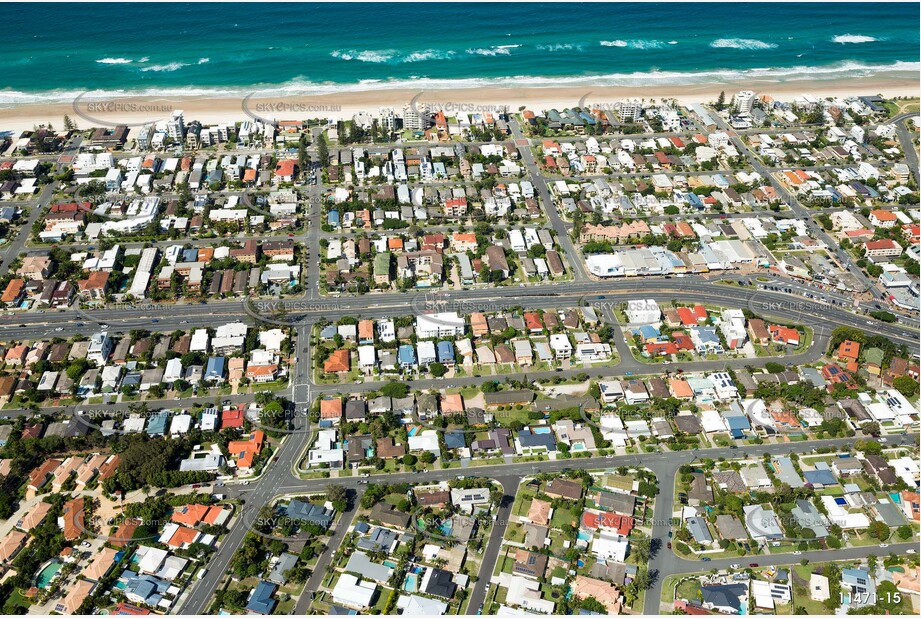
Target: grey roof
(362, 565)
(380, 539)
(808, 516)
(313, 513)
(724, 595)
(285, 562)
(729, 527)
(697, 526)
(786, 472)
(624, 504)
(890, 513)
(528, 439)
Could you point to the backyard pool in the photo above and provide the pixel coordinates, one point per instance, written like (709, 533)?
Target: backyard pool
(409, 585)
(47, 574)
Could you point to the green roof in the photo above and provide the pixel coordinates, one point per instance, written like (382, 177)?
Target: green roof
(873, 356)
(382, 263)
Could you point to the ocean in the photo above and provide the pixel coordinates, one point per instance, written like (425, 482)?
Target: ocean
(53, 52)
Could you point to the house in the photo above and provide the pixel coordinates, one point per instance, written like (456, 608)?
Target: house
(562, 488)
(604, 592)
(530, 564)
(310, 513)
(352, 592)
(338, 362)
(261, 600)
(725, 598)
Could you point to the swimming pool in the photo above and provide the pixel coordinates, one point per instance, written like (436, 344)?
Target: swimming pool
(409, 584)
(584, 536)
(390, 563)
(578, 446)
(47, 574)
(540, 430)
(446, 526)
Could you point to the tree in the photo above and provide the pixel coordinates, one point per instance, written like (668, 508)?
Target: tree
(721, 101)
(879, 531)
(69, 124)
(906, 385)
(323, 150)
(397, 390)
(438, 369)
(409, 459)
(336, 492)
(904, 532)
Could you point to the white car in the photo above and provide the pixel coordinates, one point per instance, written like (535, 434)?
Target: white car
(797, 553)
(884, 545)
(58, 329)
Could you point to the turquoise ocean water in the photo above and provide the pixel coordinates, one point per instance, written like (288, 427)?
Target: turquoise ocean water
(53, 52)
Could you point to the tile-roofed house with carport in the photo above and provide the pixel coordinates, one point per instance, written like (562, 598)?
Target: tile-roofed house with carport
(539, 512)
(72, 518)
(331, 409)
(35, 517)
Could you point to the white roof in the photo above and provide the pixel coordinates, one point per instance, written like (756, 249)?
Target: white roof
(711, 421)
(234, 329)
(350, 592)
(152, 559)
(180, 424)
(422, 606)
(199, 342)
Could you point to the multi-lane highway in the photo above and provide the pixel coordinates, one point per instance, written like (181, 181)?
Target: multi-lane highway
(280, 478)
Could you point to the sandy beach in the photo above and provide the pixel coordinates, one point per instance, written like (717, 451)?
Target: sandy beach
(346, 104)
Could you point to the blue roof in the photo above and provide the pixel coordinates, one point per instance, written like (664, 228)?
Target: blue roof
(215, 367)
(445, 351)
(332, 217)
(648, 331)
(820, 477)
(190, 255)
(156, 424)
(737, 421)
(261, 601)
(706, 334)
(407, 354)
(455, 439)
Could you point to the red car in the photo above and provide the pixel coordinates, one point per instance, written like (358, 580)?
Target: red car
(752, 564)
(669, 544)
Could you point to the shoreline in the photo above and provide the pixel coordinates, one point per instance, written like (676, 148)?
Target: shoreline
(216, 110)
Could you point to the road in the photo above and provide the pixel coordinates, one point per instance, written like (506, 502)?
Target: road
(664, 465)
(320, 569)
(279, 477)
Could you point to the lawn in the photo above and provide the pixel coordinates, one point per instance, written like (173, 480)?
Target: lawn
(688, 589)
(562, 519)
